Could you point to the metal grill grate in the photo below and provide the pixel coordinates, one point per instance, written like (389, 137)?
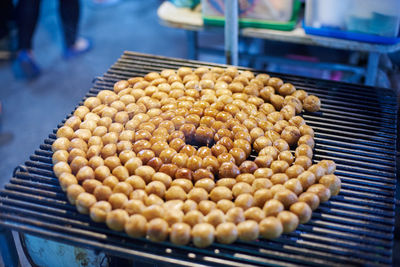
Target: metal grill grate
(356, 128)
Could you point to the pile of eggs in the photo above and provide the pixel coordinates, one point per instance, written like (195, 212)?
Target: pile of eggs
(195, 155)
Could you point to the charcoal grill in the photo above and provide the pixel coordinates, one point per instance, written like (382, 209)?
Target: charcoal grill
(356, 128)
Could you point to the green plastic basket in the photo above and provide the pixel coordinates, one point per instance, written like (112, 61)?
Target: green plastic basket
(255, 23)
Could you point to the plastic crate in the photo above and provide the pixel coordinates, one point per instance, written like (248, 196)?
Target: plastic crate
(213, 15)
(367, 20)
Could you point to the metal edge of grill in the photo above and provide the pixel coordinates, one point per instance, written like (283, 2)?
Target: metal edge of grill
(353, 228)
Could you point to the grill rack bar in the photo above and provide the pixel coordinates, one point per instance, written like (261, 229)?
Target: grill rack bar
(353, 228)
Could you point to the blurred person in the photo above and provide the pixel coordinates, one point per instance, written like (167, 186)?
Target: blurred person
(6, 13)
(27, 15)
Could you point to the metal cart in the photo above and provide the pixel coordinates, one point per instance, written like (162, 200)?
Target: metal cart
(356, 127)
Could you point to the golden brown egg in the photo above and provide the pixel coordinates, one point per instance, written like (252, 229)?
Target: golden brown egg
(203, 235)
(321, 191)
(180, 233)
(118, 200)
(99, 211)
(291, 135)
(328, 165)
(235, 215)
(146, 172)
(84, 201)
(286, 197)
(312, 103)
(193, 217)
(136, 226)
(263, 173)
(261, 196)
(157, 230)
(264, 161)
(226, 233)
(270, 227)
(272, 207)
(134, 206)
(294, 185)
(255, 214)
(303, 161)
(306, 179)
(66, 179)
(90, 185)
(173, 215)
(116, 219)
(317, 170)
(302, 210)
(289, 221)
(215, 217)
(248, 230)
(244, 201)
(224, 205)
(332, 182)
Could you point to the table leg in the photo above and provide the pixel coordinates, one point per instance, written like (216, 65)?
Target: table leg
(232, 32)
(8, 249)
(372, 68)
(192, 44)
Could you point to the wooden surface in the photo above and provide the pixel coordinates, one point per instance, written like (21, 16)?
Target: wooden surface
(176, 17)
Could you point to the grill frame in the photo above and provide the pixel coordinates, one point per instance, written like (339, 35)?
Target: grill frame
(354, 228)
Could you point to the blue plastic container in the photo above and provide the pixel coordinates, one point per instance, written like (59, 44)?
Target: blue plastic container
(348, 35)
(370, 21)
